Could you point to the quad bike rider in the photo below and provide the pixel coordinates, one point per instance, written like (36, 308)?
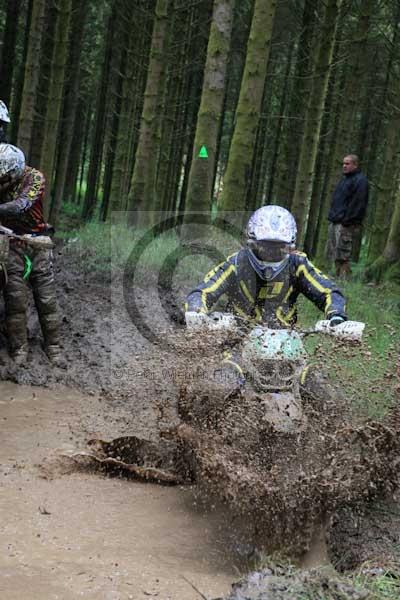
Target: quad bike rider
(21, 211)
(264, 279)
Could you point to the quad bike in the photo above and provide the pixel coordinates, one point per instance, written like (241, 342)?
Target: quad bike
(271, 364)
(35, 241)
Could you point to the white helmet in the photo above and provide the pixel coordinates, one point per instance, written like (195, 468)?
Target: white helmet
(271, 234)
(4, 116)
(12, 161)
(272, 223)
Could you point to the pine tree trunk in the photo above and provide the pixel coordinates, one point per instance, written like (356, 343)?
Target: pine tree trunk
(261, 150)
(190, 98)
(182, 31)
(97, 141)
(85, 151)
(121, 164)
(9, 49)
(324, 163)
(70, 105)
(201, 177)
(55, 98)
(78, 131)
(31, 76)
(119, 66)
(131, 110)
(391, 252)
(388, 264)
(383, 203)
(277, 141)
(143, 188)
(16, 101)
(42, 94)
(238, 172)
(309, 145)
(294, 129)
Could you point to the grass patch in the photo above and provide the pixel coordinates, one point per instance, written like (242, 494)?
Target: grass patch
(107, 248)
(366, 371)
(380, 587)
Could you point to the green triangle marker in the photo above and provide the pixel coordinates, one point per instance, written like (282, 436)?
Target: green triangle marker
(203, 152)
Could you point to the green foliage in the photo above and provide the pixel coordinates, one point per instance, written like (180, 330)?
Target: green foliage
(381, 587)
(367, 372)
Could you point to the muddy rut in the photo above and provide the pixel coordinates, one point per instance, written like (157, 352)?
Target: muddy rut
(70, 535)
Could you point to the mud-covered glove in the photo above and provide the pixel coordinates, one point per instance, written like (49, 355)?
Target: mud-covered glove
(336, 320)
(194, 319)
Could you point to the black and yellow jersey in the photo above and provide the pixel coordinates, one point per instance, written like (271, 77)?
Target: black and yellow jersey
(251, 296)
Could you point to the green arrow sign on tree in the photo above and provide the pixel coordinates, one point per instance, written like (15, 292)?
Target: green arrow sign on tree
(203, 152)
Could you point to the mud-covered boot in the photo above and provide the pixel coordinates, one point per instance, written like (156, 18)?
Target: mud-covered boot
(17, 338)
(55, 356)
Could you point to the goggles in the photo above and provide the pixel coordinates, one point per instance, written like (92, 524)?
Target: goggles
(267, 251)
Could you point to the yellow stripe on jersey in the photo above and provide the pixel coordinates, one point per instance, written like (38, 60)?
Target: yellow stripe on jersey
(318, 286)
(215, 285)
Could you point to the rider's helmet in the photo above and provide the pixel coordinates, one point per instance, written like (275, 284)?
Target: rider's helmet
(270, 236)
(12, 164)
(4, 116)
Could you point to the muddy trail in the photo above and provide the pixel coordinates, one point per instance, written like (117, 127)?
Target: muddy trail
(69, 531)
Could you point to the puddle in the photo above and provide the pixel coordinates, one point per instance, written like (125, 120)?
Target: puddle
(87, 536)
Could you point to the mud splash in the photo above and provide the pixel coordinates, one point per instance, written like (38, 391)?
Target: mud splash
(287, 484)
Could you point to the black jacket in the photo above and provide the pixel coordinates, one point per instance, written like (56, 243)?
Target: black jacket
(349, 200)
(3, 137)
(250, 296)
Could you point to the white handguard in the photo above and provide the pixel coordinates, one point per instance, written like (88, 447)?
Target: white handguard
(195, 320)
(37, 241)
(5, 230)
(213, 321)
(348, 330)
(43, 242)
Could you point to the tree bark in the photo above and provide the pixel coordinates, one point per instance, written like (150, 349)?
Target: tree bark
(55, 98)
(309, 145)
(201, 177)
(143, 187)
(31, 76)
(9, 49)
(97, 141)
(70, 105)
(237, 175)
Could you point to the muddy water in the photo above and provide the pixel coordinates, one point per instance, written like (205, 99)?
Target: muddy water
(80, 535)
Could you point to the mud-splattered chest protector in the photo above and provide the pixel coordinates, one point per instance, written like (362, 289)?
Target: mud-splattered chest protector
(267, 299)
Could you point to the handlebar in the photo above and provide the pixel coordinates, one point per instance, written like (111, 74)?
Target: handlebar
(36, 241)
(348, 330)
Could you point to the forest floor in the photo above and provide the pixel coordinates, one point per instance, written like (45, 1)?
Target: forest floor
(67, 534)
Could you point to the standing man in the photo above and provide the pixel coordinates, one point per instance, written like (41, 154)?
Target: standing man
(346, 214)
(21, 209)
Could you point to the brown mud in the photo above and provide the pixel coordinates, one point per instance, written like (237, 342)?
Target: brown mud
(112, 538)
(69, 535)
